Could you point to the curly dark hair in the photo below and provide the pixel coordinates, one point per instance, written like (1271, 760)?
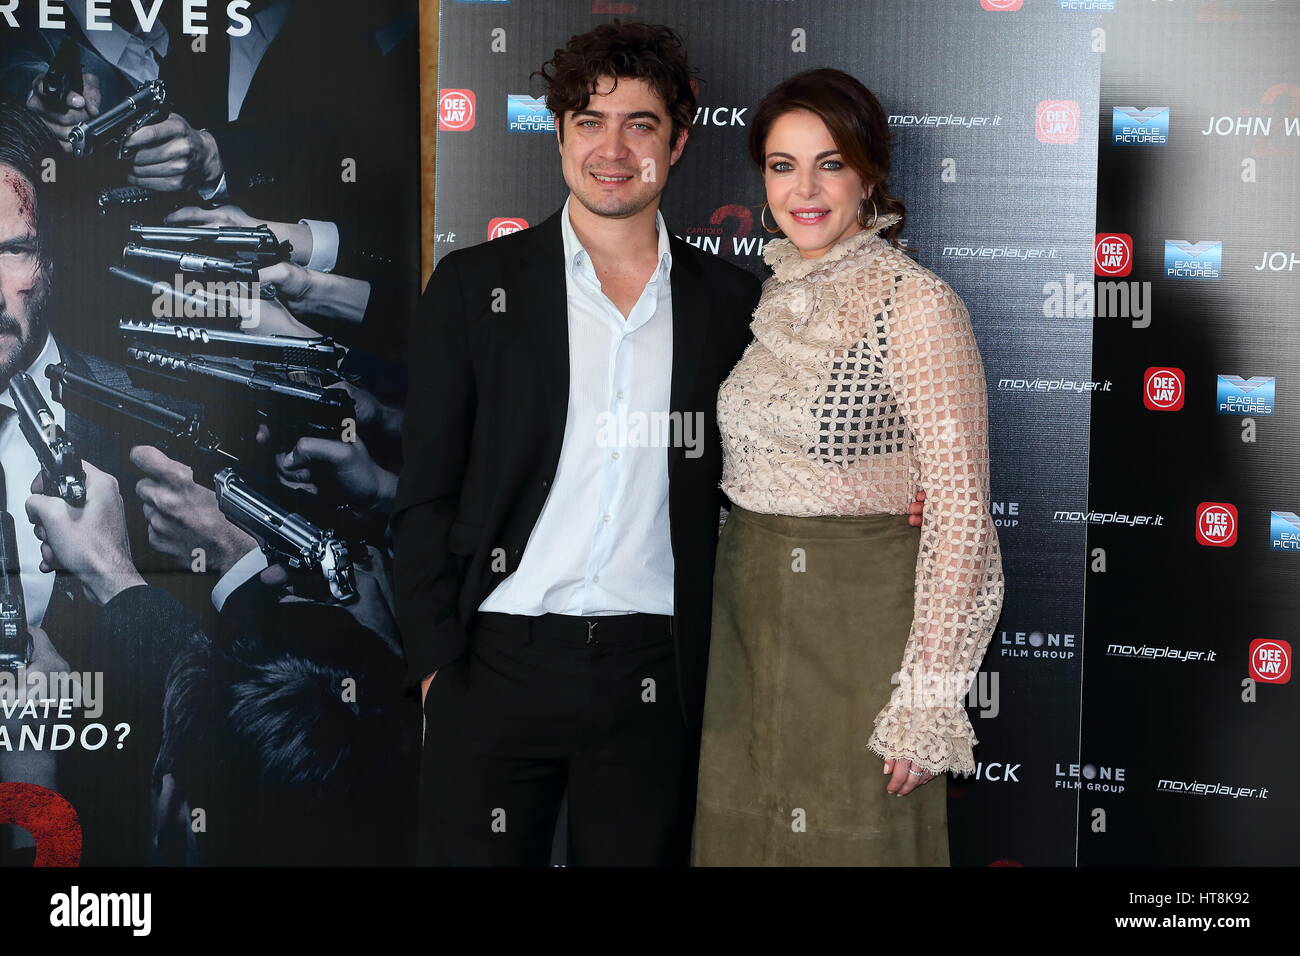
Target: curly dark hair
(645, 51)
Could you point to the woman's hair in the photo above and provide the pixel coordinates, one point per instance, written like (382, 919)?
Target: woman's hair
(855, 119)
(642, 51)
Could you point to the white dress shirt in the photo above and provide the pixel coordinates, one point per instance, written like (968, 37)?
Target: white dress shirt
(601, 544)
(253, 562)
(21, 465)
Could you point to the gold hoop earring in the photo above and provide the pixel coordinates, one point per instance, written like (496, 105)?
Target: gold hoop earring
(763, 220)
(875, 214)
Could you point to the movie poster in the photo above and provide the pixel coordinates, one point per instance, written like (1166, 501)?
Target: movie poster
(209, 242)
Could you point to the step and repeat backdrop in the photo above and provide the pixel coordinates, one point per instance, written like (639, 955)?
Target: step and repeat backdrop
(202, 586)
(1111, 187)
(1186, 755)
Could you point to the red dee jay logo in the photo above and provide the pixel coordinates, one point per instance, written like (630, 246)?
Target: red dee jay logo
(1216, 524)
(1002, 4)
(1162, 389)
(456, 110)
(505, 226)
(1057, 121)
(1270, 661)
(1112, 254)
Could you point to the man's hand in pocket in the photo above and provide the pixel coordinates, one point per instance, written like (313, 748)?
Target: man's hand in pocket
(424, 687)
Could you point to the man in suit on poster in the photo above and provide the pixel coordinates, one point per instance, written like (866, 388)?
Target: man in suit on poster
(553, 554)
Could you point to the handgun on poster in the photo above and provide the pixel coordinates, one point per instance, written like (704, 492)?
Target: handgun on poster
(290, 409)
(255, 244)
(285, 536)
(61, 471)
(287, 353)
(64, 74)
(114, 126)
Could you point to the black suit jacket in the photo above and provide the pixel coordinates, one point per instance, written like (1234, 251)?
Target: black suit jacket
(488, 396)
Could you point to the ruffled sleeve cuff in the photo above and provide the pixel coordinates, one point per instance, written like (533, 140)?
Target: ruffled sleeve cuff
(936, 739)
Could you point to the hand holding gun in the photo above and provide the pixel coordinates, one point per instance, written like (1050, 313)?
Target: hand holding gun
(254, 244)
(203, 264)
(64, 97)
(227, 304)
(292, 409)
(286, 537)
(146, 105)
(89, 542)
(60, 464)
(297, 541)
(295, 235)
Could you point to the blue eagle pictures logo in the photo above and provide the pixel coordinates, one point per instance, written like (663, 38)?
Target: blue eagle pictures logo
(1246, 396)
(1284, 531)
(528, 114)
(1130, 125)
(1193, 260)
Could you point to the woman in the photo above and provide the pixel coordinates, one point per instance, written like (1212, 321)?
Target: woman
(863, 384)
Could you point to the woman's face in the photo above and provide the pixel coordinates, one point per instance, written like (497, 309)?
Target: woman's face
(812, 192)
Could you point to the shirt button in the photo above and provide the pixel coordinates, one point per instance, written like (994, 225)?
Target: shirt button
(595, 579)
(620, 394)
(615, 456)
(605, 519)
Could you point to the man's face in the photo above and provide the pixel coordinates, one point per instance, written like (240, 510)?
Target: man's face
(616, 152)
(24, 280)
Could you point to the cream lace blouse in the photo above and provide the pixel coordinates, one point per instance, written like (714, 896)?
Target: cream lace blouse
(864, 383)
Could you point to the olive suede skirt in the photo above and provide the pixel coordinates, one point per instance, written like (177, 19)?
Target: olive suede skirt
(811, 616)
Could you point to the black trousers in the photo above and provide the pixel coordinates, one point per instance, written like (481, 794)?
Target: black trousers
(541, 704)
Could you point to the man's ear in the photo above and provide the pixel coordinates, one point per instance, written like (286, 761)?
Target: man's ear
(679, 146)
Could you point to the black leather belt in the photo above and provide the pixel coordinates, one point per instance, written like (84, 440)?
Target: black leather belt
(632, 629)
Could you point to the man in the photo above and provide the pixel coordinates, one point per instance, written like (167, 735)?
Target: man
(554, 575)
(27, 280)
